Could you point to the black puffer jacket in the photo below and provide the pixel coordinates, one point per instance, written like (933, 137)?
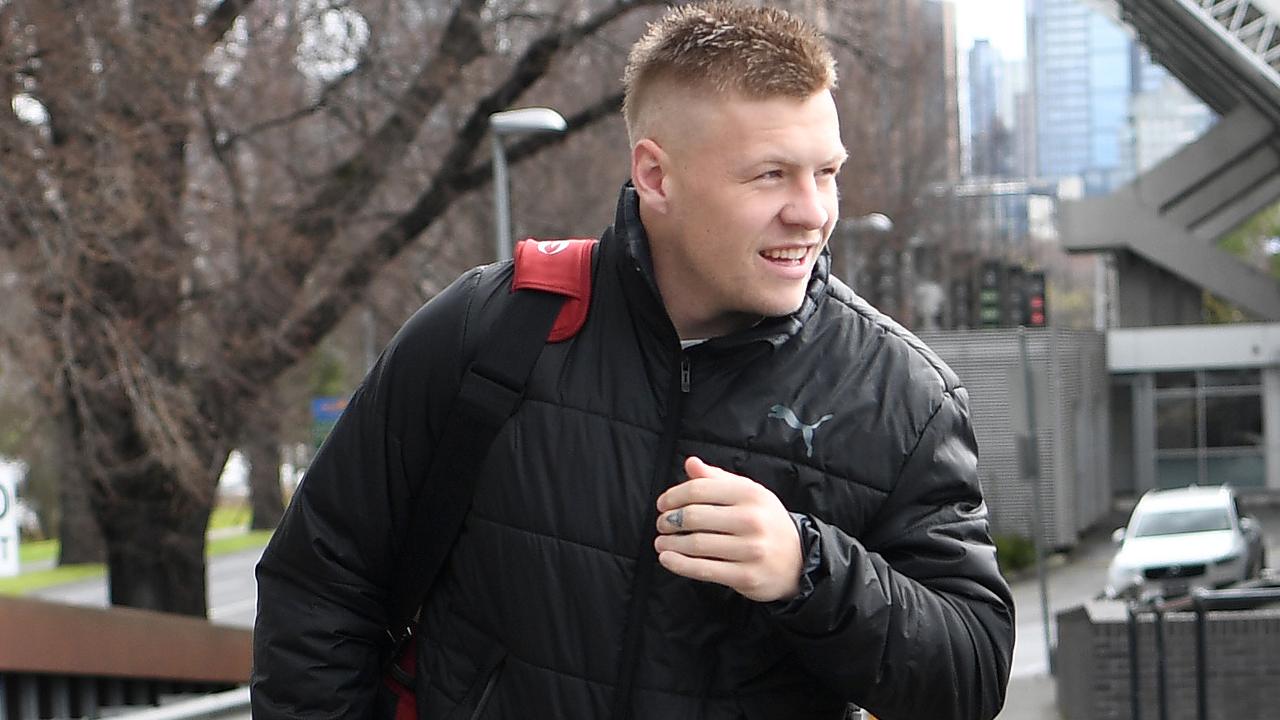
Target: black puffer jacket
(903, 613)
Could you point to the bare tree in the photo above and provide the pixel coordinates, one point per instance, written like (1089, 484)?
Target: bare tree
(193, 203)
(900, 135)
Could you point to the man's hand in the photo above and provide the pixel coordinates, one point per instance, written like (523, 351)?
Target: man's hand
(727, 529)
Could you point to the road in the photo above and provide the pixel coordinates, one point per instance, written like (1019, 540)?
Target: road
(1078, 578)
(232, 589)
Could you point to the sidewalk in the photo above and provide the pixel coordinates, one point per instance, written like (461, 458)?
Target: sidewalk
(1031, 697)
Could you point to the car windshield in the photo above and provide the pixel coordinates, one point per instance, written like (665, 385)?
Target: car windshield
(1173, 522)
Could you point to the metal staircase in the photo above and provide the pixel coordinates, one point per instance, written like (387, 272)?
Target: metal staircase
(1227, 52)
(1250, 23)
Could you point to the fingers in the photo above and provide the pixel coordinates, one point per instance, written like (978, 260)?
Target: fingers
(744, 578)
(727, 573)
(695, 467)
(723, 528)
(707, 485)
(709, 546)
(703, 518)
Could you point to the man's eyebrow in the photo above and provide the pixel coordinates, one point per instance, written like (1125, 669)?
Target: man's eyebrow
(835, 159)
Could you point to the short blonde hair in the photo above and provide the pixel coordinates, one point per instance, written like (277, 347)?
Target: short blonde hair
(727, 48)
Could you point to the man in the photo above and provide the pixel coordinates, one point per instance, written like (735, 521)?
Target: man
(800, 468)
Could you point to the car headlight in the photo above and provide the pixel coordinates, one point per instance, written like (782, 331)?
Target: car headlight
(1121, 578)
(1226, 560)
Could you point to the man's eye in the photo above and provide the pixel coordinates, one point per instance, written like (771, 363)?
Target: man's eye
(770, 175)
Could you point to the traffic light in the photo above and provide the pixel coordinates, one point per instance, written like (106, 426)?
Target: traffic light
(961, 304)
(989, 296)
(1037, 310)
(1015, 293)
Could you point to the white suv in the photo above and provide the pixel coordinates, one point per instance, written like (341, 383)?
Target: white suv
(1178, 540)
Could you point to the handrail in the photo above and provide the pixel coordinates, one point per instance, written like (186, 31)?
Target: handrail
(1246, 596)
(70, 661)
(232, 703)
(47, 637)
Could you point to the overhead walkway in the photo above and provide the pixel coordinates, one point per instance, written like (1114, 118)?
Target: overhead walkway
(1169, 219)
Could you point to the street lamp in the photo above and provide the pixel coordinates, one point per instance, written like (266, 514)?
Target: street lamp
(854, 228)
(513, 122)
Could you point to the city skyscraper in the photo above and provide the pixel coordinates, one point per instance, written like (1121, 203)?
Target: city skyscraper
(1083, 75)
(989, 131)
(1103, 109)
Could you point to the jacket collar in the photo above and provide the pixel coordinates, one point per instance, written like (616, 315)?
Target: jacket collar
(626, 248)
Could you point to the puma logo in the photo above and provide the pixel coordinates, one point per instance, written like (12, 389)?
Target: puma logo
(785, 414)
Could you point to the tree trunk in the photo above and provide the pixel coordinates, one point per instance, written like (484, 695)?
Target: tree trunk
(262, 448)
(80, 536)
(156, 543)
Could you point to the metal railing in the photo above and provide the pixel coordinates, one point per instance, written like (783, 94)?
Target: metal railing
(1201, 602)
(229, 705)
(63, 661)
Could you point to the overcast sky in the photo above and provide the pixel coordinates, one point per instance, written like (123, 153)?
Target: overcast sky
(1003, 22)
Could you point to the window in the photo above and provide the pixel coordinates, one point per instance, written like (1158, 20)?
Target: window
(1209, 428)
(1175, 380)
(1176, 423)
(1233, 421)
(1229, 378)
(1173, 522)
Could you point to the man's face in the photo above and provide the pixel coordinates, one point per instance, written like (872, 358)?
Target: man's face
(748, 199)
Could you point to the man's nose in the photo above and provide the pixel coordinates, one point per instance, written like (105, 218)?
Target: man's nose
(807, 207)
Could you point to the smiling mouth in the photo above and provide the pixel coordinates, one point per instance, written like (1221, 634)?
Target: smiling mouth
(786, 256)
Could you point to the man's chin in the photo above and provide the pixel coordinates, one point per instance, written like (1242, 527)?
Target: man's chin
(782, 306)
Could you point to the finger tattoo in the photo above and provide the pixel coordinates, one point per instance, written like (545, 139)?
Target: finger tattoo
(676, 518)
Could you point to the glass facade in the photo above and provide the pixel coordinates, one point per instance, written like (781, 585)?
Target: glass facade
(1209, 428)
(1084, 70)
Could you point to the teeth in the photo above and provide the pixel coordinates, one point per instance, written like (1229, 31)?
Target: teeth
(786, 254)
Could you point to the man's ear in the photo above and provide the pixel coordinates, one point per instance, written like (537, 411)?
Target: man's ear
(649, 165)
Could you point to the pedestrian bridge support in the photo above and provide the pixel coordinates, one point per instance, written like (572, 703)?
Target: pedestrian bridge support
(1164, 226)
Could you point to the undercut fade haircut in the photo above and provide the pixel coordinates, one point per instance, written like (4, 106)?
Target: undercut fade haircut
(726, 48)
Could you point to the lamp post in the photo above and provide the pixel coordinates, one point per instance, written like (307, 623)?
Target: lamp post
(853, 229)
(513, 122)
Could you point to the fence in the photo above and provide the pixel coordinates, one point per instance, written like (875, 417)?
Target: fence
(1209, 657)
(62, 661)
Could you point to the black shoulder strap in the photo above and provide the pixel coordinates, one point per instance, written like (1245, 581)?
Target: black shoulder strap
(490, 393)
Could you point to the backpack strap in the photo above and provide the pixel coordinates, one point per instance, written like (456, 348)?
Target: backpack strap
(553, 290)
(562, 267)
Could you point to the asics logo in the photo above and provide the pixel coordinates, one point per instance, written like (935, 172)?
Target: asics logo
(787, 415)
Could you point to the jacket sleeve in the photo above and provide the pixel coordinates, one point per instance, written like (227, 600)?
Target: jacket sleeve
(914, 620)
(324, 579)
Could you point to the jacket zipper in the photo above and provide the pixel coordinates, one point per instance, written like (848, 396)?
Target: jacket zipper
(647, 560)
(488, 690)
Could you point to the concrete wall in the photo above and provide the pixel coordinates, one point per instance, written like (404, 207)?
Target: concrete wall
(1093, 662)
(1150, 295)
(1072, 395)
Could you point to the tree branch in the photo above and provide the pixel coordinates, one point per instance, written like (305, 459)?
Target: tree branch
(257, 360)
(531, 145)
(350, 184)
(305, 111)
(307, 328)
(221, 18)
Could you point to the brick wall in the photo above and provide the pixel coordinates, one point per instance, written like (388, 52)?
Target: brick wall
(1092, 664)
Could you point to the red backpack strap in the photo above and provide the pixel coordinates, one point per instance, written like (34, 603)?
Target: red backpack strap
(562, 267)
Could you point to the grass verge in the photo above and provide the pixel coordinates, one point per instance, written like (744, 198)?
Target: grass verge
(37, 551)
(40, 579)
